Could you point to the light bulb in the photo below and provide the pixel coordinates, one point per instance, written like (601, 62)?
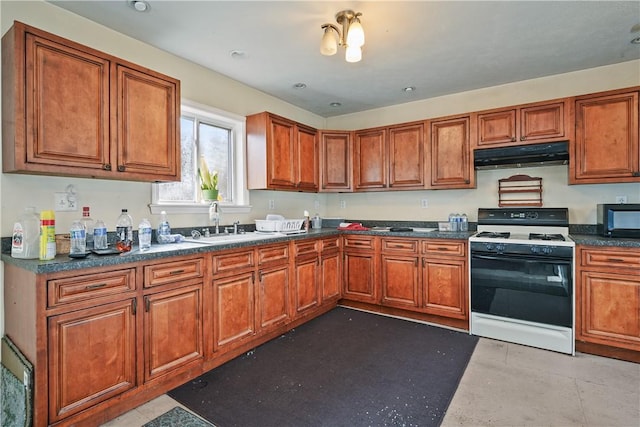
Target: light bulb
(355, 35)
(353, 54)
(329, 44)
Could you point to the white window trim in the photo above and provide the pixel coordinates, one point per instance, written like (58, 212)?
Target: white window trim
(241, 193)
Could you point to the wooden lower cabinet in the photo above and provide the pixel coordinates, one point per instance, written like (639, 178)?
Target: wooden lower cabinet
(400, 273)
(172, 330)
(92, 357)
(234, 315)
(273, 296)
(307, 285)
(330, 280)
(608, 298)
(445, 287)
(360, 268)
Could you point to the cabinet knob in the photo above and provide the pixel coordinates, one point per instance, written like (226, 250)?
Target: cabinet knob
(513, 139)
(106, 167)
(523, 138)
(120, 168)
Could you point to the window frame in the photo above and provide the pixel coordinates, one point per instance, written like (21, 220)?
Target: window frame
(241, 203)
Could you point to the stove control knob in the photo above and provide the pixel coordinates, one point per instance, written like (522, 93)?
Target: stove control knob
(546, 250)
(489, 246)
(500, 247)
(535, 249)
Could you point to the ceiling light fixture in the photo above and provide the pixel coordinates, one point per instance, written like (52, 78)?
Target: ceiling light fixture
(351, 37)
(299, 86)
(335, 104)
(409, 89)
(139, 5)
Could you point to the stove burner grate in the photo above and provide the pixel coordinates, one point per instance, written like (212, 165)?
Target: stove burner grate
(494, 234)
(542, 236)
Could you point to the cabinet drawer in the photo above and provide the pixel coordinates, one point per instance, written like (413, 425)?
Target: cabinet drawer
(306, 247)
(443, 247)
(79, 288)
(330, 244)
(611, 258)
(233, 261)
(271, 254)
(409, 246)
(160, 274)
(358, 242)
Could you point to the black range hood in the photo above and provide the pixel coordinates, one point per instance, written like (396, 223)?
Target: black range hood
(556, 153)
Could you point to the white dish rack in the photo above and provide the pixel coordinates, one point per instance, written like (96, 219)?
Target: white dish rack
(287, 226)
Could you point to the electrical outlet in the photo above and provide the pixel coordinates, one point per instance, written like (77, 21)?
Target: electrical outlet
(64, 203)
(272, 204)
(343, 204)
(424, 203)
(621, 199)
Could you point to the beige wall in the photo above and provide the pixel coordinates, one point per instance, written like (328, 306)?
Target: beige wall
(206, 87)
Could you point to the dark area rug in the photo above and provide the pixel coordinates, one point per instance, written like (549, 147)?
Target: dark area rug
(177, 417)
(345, 368)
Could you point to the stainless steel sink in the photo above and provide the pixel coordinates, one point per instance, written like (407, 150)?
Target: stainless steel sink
(218, 239)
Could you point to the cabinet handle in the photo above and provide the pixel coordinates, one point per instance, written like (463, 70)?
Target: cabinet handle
(96, 286)
(121, 168)
(147, 304)
(523, 138)
(260, 277)
(424, 262)
(615, 260)
(253, 277)
(513, 139)
(106, 167)
(134, 305)
(174, 272)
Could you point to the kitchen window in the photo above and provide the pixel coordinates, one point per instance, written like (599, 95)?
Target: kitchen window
(219, 137)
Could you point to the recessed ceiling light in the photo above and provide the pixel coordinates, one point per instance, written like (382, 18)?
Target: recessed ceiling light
(335, 104)
(139, 5)
(299, 86)
(238, 54)
(636, 40)
(409, 89)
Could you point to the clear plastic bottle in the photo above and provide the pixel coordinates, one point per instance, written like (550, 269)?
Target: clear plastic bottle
(144, 234)
(25, 242)
(78, 237)
(87, 221)
(464, 224)
(164, 229)
(100, 235)
(124, 232)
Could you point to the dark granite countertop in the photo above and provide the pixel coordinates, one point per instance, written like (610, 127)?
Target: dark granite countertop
(63, 262)
(596, 240)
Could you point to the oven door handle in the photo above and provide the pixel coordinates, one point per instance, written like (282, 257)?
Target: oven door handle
(518, 257)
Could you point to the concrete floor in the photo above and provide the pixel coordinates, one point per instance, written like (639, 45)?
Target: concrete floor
(513, 385)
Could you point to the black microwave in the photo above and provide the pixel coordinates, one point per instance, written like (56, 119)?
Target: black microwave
(622, 220)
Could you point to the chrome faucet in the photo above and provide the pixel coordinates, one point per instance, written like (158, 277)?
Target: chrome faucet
(235, 227)
(214, 216)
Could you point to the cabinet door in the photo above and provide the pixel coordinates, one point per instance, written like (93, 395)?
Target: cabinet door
(542, 122)
(148, 130)
(609, 309)
(281, 159)
(330, 277)
(335, 161)
(400, 281)
(497, 127)
(306, 159)
(370, 160)
(92, 357)
(273, 297)
(234, 313)
(307, 289)
(67, 109)
(406, 157)
(444, 286)
(359, 269)
(606, 146)
(172, 330)
(450, 154)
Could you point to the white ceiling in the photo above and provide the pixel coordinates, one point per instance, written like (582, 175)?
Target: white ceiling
(439, 47)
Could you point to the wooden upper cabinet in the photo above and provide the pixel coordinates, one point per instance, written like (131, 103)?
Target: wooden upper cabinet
(71, 110)
(526, 124)
(370, 160)
(606, 139)
(389, 158)
(148, 113)
(406, 156)
(335, 161)
(449, 154)
(281, 154)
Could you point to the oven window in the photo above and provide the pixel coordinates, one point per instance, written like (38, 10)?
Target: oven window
(536, 290)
